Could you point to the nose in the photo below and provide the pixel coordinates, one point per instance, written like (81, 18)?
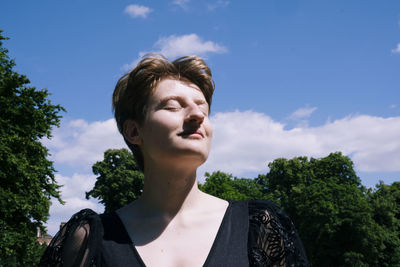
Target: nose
(194, 114)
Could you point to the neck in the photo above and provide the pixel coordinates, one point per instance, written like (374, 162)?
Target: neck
(169, 190)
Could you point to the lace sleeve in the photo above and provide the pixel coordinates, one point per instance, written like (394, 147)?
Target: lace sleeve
(75, 243)
(273, 240)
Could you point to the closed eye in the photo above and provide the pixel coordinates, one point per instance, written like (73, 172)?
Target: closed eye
(172, 108)
(174, 103)
(170, 104)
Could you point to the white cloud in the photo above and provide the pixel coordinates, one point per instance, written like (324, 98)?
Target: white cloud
(190, 44)
(80, 144)
(217, 4)
(136, 11)
(184, 45)
(244, 141)
(302, 113)
(397, 49)
(73, 193)
(181, 3)
(248, 141)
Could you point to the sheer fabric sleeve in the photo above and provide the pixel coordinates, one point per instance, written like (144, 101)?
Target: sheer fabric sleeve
(273, 239)
(76, 243)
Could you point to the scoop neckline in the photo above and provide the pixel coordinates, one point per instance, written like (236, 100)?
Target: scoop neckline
(210, 253)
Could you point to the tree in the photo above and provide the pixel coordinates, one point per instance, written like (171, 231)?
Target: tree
(385, 202)
(329, 206)
(26, 175)
(227, 187)
(119, 182)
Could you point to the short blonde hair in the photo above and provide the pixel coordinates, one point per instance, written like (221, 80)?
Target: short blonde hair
(134, 88)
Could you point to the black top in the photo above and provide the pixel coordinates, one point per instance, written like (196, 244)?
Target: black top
(229, 247)
(252, 233)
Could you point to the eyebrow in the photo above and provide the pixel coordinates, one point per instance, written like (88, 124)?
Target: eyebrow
(171, 97)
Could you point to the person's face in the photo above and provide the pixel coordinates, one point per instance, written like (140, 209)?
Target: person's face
(176, 126)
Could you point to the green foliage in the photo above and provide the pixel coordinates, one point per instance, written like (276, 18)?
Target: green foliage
(225, 186)
(385, 203)
(119, 182)
(330, 208)
(26, 176)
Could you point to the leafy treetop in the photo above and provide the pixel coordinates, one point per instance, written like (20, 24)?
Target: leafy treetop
(26, 175)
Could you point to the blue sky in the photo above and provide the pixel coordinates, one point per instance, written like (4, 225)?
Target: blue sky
(292, 78)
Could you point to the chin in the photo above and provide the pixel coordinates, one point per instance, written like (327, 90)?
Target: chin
(191, 157)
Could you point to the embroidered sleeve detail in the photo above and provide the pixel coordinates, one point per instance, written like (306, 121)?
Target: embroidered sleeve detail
(273, 240)
(70, 246)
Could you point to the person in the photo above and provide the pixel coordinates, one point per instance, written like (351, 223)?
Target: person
(162, 110)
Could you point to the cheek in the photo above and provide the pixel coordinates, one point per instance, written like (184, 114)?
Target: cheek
(161, 125)
(209, 129)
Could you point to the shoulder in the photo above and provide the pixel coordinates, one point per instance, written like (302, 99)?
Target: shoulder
(257, 205)
(273, 239)
(265, 211)
(76, 241)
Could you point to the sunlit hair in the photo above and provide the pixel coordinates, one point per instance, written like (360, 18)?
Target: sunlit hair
(134, 88)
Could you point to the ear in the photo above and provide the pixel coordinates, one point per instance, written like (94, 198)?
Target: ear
(131, 132)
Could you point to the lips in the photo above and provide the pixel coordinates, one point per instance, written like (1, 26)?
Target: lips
(191, 133)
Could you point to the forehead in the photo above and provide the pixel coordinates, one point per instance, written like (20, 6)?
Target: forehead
(173, 87)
